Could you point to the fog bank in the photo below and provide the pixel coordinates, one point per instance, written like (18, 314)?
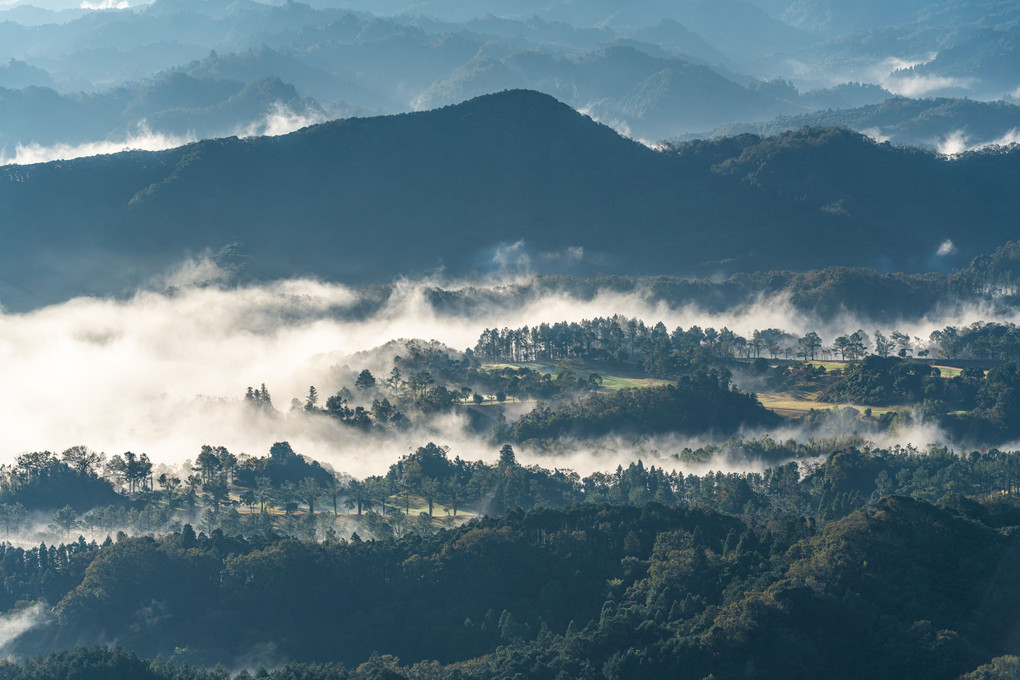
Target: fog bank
(164, 371)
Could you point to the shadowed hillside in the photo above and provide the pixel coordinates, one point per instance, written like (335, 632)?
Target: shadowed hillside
(364, 199)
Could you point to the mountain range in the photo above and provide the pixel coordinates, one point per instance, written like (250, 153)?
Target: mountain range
(652, 70)
(515, 179)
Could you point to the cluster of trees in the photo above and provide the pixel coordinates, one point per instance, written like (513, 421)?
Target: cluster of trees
(259, 397)
(486, 488)
(981, 340)
(614, 338)
(977, 404)
(45, 573)
(42, 479)
(704, 401)
(996, 275)
(883, 381)
(665, 353)
(428, 377)
(431, 378)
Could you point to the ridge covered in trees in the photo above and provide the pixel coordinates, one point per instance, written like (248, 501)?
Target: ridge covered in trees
(773, 195)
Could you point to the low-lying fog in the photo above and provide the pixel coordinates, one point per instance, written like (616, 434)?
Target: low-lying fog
(164, 371)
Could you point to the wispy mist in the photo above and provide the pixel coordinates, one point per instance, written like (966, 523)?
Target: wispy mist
(958, 142)
(146, 140)
(278, 121)
(17, 623)
(163, 372)
(106, 4)
(894, 73)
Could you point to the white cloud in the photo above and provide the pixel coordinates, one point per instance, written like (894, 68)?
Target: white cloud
(895, 74)
(876, 134)
(957, 142)
(163, 372)
(921, 85)
(279, 121)
(954, 144)
(17, 623)
(143, 141)
(106, 4)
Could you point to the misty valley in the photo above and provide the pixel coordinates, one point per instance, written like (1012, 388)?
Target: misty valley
(597, 477)
(584, 340)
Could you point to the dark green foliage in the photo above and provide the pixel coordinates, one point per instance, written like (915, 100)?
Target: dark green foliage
(116, 663)
(881, 381)
(703, 402)
(45, 573)
(981, 340)
(529, 565)
(92, 663)
(974, 406)
(41, 481)
(281, 465)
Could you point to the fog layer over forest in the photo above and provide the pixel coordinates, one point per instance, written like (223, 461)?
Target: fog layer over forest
(165, 370)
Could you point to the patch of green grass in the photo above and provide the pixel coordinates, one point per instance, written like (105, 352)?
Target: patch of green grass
(830, 365)
(615, 375)
(796, 403)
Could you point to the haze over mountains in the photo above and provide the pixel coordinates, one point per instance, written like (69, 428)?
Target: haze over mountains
(172, 71)
(509, 180)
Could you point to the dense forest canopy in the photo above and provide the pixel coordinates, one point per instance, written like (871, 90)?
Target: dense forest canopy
(630, 574)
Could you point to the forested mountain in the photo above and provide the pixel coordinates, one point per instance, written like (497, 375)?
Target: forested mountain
(647, 95)
(362, 200)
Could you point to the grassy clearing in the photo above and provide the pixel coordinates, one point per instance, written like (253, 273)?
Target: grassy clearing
(830, 365)
(948, 371)
(795, 403)
(615, 382)
(615, 375)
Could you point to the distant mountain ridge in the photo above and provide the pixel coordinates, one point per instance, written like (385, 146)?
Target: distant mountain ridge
(635, 68)
(365, 200)
(174, 104)
(930, 123)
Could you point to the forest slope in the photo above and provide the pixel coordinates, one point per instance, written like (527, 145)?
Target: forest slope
(364, 200)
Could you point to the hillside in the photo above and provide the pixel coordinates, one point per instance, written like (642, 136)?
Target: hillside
(900, 588)
(363, 200)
